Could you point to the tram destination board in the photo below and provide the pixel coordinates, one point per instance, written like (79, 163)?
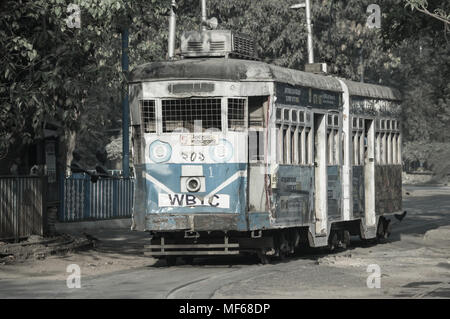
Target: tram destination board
(303, 96)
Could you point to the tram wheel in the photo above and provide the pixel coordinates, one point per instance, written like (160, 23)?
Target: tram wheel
(345, 239)
(171, 260)
(382, 232)
(263, 258)
(333, 241)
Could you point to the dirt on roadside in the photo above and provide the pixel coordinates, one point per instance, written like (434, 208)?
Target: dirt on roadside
(104, 252)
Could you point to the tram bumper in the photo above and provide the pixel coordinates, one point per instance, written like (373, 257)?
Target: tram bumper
(192, 222)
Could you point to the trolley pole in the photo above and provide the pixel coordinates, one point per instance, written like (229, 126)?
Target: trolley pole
(172, 27)
(307, 6)
(125, 109)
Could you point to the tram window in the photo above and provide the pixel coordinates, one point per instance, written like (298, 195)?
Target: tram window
(256, 115)
(361, 123)
(256, 110)
(148, 116)
(302, 116)
(382, 124)
(330, 120)
(308, 118)
(294, 116)
(236, 114)
(336, 120)
(355, 122)
(286, 115)
(183, 113)
(278, 114)
(388, 124)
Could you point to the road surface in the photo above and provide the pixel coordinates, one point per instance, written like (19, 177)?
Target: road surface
(414, 263)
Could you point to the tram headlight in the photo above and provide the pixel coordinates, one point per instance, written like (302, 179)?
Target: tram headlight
(160, 151)
(222, 152)
(193, 184)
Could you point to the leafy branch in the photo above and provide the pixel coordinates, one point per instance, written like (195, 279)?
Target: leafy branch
(422, 6)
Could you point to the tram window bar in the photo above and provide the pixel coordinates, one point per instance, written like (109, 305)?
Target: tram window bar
(183, 113)
(337, 160)
(284, 147)
(356, 147)
(394, 148)
(279, 148)
(256, 145)
(300, 144)
(293, 145)
(308, 146)
(236, 114)
(148, 116)
(377, 147)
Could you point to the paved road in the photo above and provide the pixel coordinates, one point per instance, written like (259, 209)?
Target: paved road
(414, 263)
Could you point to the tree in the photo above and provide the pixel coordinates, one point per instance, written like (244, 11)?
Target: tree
(53, 73)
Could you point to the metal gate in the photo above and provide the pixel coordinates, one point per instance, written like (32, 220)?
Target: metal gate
(22, 206)
(108, 198)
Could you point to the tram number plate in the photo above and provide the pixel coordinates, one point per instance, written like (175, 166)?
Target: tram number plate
(188, 200)
(198, 139)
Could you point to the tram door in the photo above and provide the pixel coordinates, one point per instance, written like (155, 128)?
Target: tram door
(320, 174)
(369, 173)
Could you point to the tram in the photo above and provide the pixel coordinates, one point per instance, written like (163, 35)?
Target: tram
(232, 155)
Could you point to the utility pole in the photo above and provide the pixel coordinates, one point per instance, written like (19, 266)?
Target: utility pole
(309, 28)
(125, 109)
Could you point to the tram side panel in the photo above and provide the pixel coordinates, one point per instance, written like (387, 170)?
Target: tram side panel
(388, 189)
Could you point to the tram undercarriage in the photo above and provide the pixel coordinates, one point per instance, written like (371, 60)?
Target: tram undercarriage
(266, 245)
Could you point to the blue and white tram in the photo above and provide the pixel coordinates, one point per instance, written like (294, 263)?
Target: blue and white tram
(234, 155)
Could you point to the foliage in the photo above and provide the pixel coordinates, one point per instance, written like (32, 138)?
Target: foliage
(51, 73)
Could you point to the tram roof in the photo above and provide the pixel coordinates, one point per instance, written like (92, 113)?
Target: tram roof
(222, 69)
(372, 90)
(230, 70)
